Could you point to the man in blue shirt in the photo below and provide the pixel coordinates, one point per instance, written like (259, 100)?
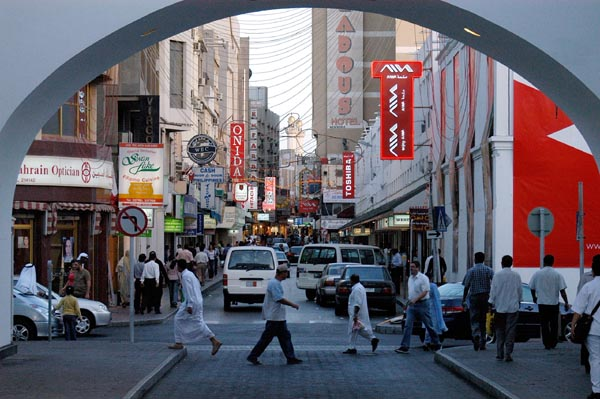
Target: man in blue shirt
(273, 312)
(478, 283)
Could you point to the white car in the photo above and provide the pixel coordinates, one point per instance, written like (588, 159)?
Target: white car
(93, 313)
(30, 317)
(246, 273)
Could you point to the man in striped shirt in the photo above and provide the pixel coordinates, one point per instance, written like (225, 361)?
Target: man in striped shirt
(478, 283)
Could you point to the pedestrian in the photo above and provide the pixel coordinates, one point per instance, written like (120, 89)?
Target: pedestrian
(69, 306)
(546, 284)
(162, 280)
(212, 260)
(173, 276)
(586, 301)
(201, 261)
(506, 296)
(123, 273)
(417, 307)
(150, 280)
(396, 268)
(138, 272)
(438, 274)
(478, 283)
(437, 317)
(189, 325)
(584, 355)
(273, 311)
(358, 320)
(81, 280)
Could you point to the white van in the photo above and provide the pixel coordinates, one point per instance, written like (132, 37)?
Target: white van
(246, 273)
(314, 258)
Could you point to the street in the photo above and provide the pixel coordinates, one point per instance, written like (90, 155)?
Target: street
(319, 338)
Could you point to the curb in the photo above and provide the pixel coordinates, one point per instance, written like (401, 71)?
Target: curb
(142, 387)
(473, 377)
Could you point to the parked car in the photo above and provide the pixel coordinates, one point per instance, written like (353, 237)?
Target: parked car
(457, 318)
(93, 313)
(328, 281)
(294, 254)
(30, 317)
(281, 246)
(246, 273)
(282, 258)
(314, 258)
(381, 292)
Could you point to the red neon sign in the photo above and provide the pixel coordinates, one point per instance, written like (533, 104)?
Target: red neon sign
(348, 175)
(236, 157)
(396, 96)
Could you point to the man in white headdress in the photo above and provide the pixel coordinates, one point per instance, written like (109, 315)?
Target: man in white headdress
(189, 319)
(27, 282)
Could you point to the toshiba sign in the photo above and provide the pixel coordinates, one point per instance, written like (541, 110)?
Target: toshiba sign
(396, 94)
(348, 186)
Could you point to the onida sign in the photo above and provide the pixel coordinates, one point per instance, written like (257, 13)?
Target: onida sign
(396, 93)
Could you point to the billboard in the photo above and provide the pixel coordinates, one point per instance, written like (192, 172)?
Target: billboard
(550, 158)
(348, 177)
(269, 203)
(236, 154)
(141, 175)
(396, 103)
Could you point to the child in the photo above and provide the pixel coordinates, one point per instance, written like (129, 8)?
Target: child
(70, 313)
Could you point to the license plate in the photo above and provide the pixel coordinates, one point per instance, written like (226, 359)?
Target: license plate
(250, 283)
(369, 289)
(317, 274)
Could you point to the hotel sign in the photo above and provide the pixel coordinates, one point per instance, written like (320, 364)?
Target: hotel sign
(396, 96)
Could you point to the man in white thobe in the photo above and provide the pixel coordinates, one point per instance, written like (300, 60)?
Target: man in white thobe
(358, 317)
(189, 319)
(27, 282)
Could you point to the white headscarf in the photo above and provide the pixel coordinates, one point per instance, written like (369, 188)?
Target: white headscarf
(27, 282)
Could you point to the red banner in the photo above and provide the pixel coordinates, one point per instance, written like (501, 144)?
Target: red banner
(396, 96)
(308, 206)
(269, 203)
(236, 153)
(348, 185)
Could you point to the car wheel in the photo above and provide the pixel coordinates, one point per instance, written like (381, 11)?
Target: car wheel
(85, 323)
(23, 329)
(226, 302)
(310, 294)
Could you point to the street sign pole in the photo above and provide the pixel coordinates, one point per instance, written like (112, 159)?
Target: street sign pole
(580, 231)
(542, 243)
(132, 262)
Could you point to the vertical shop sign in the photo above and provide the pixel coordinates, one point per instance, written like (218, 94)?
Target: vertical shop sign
(236, 158)
(269, 202)
(396, 96)
(147, 128)
(348, 186)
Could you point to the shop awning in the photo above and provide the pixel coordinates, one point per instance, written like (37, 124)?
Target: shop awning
(416, 197)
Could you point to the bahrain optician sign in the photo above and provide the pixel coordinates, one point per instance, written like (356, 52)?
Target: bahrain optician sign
(396, 94)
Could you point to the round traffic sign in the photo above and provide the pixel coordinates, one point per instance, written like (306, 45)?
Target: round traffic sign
(540, 221)
(132, 221)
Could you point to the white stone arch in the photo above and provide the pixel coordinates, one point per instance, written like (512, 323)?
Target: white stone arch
(51, 48)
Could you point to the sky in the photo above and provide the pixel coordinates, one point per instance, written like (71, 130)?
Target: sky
(281, 59)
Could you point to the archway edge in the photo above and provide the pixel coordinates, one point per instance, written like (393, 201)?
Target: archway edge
(56, 47)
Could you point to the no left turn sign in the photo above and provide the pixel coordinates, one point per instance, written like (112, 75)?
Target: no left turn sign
(132, 221)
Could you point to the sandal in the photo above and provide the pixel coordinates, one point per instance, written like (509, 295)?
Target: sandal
(216, 348)
(176, 346)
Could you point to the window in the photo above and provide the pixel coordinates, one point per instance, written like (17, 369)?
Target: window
(72, 118)
(176, 75)
(350, 255)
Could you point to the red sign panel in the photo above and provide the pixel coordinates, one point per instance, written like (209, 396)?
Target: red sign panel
(348, 185)
(396, 96)
(308, 206)
(269, 203)
(236, 154)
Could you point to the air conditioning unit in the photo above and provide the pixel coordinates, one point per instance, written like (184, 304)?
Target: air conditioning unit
(197, 47)
(197, 104)
(220, 96)
(202, 81)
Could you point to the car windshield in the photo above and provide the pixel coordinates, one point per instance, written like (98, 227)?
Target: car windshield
(335, 270)
(451, 290)
(251, 260)
(365, 273)
(281, 255)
